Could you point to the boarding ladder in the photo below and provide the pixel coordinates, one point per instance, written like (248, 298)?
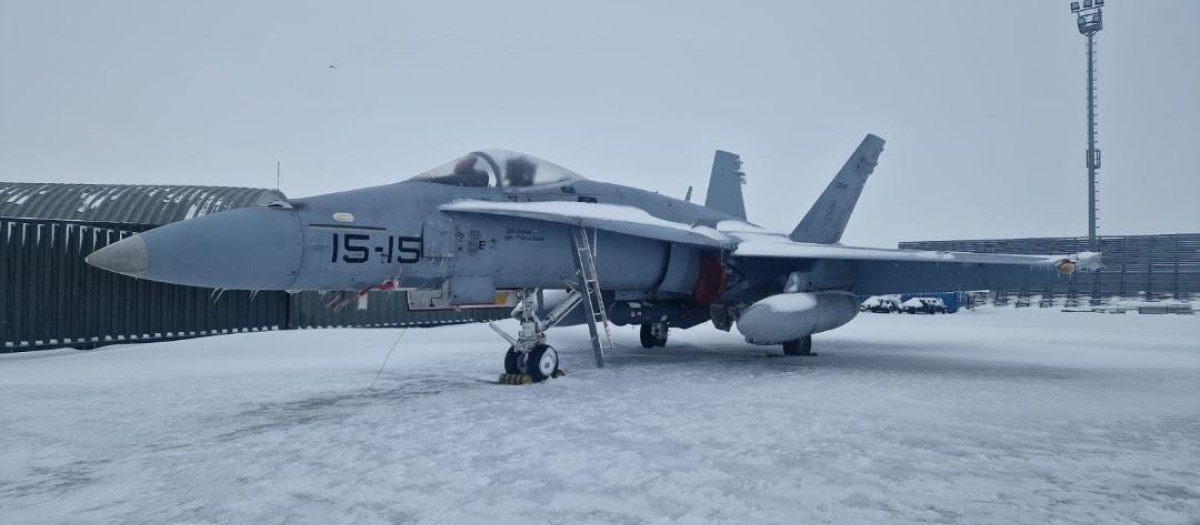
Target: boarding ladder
(585, 263)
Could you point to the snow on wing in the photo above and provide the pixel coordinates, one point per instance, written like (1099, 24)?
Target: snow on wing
(609, 217)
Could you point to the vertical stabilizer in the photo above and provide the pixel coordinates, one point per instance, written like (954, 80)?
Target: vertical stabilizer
(827, 218)
(725, 185)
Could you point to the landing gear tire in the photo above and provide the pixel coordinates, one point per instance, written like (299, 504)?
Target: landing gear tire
(647, 337)
(541, 363)
(514, 362)
(653, 335)
(802, 346)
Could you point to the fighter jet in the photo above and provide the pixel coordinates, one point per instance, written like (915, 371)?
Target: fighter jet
(573, 250)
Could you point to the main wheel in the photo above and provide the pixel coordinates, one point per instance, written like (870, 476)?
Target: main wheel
(802, 346)
(542, 362)
(661, 338)
(647, 336)
(514, 362)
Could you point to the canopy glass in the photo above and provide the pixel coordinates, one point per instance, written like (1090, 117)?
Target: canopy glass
(498, 168)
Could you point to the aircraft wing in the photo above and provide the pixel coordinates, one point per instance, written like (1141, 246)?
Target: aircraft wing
(877, 270)
(610, 217)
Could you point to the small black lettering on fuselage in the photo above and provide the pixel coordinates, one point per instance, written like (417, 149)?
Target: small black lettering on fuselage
(356, 248)
(517, 234)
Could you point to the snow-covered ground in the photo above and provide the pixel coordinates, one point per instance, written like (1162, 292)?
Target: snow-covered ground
(995, 416)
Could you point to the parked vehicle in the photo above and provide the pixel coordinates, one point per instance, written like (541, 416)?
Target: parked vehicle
(923, 305)
(881, 305)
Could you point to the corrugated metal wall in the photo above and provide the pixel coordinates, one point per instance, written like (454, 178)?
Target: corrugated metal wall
(50, 298)
(123, 203)
(1150, 266)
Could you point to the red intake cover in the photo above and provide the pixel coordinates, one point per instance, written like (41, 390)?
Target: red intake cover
(710, 286)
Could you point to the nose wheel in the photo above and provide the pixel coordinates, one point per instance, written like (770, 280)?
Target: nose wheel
(514, 361)
(530, 358)
(540, 363)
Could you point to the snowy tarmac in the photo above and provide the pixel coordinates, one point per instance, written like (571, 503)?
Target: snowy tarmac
(995, 416)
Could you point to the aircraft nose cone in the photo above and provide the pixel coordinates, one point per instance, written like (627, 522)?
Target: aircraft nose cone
(127, 256)
(252, 248)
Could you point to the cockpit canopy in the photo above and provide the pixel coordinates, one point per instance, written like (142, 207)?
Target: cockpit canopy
(498, 168)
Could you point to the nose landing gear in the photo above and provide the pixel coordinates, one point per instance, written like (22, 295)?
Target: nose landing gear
(530, 356)
(530, 359)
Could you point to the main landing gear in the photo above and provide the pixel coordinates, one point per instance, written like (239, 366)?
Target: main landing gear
(654, 334)
(802, 346)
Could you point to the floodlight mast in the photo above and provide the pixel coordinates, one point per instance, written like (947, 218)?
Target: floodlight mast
(1090, 21)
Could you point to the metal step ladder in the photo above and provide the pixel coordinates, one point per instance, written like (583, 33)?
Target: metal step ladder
(593, 301)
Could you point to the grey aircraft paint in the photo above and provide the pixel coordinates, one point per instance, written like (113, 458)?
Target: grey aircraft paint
(827, 219)
(725, 185)
(501, 220)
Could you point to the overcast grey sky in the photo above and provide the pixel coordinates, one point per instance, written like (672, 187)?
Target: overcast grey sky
(982, 103)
